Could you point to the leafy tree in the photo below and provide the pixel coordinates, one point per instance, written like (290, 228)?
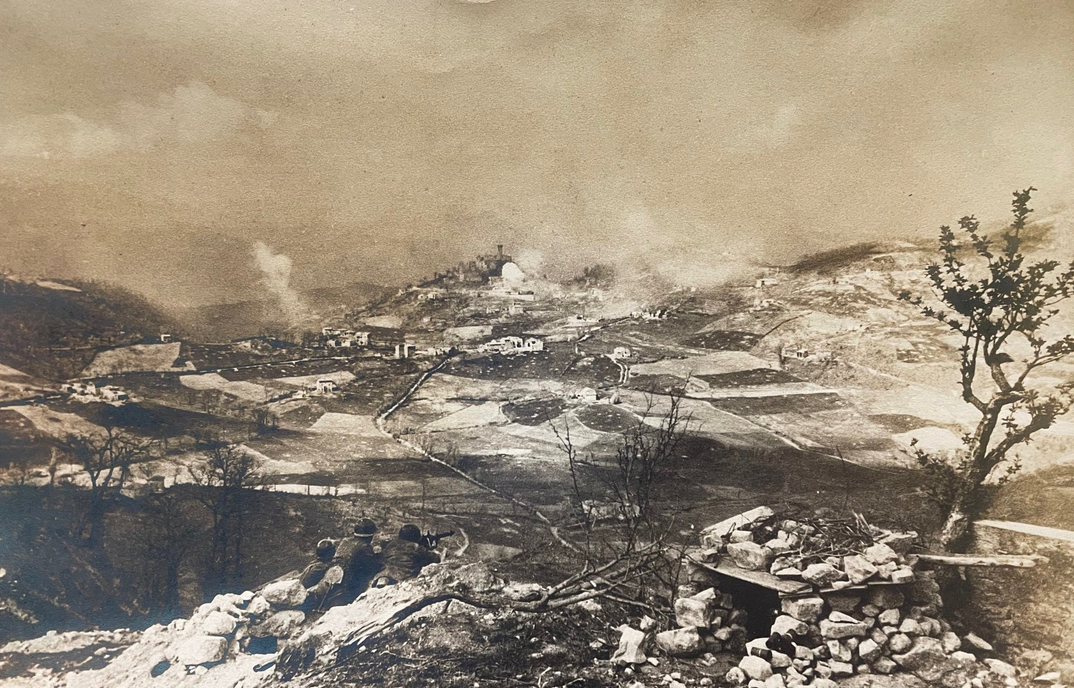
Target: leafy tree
(1001, 304)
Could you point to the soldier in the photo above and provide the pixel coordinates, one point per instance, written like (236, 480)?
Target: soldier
(350, 570)
(314, 572)
(358, 562)
(406, 556)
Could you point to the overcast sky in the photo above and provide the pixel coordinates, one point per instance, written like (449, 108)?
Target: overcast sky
(154, 142)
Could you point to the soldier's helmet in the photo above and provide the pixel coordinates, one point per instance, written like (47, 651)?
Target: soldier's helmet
(365, 528)
(410, 533)
(326, 549)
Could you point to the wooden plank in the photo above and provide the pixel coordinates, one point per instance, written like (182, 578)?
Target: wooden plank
(761, 578)
(1066, 536)
(1013, 560)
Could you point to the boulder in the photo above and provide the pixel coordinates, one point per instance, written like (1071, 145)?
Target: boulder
(950, 641)
(631, 648)
(218, 623)
(824, 683)
(831, 630)
(890, 617)
(785, 625)
(871, 610)
(840, 617)
(779, 545)
(838, 651)
(779, 660)
(841, 669)
(846, 602)
(976, 644)
(926, 660)
(903, 574)
(775, 681)
(858, 569)
(690, 611)
(869, 650)
(740, 536)
(680, 642)
(821, 575)
(880, 554)
(750, 556)
(285, 594)
(201, 649)
(1050, 677)
(258, 606)
(807, 609)
(886, 597)
(884, 665)
(755, 667)
(735, 676)
(279, 625)
(911, 627)
(902, 543)
(900, 643)
(1001, 668)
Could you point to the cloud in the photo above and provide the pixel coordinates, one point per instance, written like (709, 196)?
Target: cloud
(190, 114)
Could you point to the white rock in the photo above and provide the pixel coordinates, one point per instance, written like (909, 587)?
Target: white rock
(755, 667)
(807, 609)
(880, 553)
(858, 569)
(631, 646)
(785, 625)
(680, 642)
(287, 594)
(821, 574)
(218, 623)
(890, 617)
(1050, 677)
(201, 649)
(735, 676)
(1001, 668)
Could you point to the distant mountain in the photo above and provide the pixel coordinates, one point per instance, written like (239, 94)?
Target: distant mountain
(227, 321)
(54, 328)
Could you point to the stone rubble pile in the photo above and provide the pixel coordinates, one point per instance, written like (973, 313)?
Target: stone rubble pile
(851, 603)
(234, 626)
(707, 621)
(881, 630)
(824, 553)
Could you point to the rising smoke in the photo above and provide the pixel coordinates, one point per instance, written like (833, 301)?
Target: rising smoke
(276, 278)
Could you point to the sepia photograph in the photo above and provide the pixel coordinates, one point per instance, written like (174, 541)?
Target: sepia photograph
(544, 344)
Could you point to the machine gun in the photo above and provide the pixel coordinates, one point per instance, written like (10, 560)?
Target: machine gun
(431, 540)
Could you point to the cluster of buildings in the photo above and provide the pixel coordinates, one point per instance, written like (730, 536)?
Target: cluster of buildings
(343, 339)
(512, 345)
(90, 391)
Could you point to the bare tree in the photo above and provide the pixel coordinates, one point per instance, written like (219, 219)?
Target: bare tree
(1001, 305)
(106, 458)
(168, 533)
(225, 476)
(616, 506)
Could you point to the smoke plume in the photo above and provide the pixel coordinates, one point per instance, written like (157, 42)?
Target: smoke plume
(276, 278)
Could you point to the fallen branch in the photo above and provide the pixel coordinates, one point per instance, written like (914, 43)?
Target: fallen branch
(1027, 561)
